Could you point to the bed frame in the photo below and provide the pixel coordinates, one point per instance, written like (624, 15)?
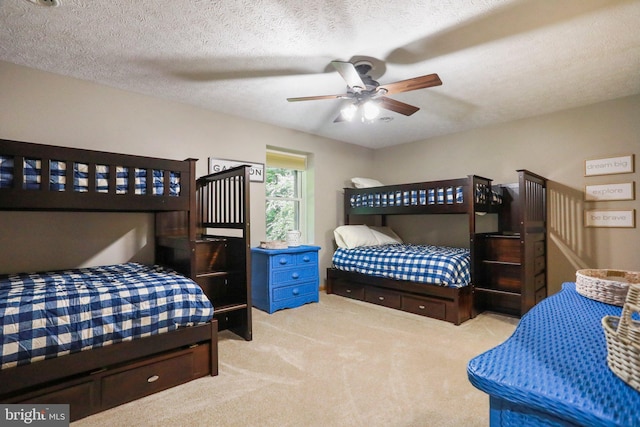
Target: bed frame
(95, 380)
(454, 305)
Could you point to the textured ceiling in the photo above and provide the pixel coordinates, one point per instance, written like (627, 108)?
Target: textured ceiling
(499, 60)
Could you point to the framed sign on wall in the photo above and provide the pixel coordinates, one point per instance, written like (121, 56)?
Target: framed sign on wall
(256, 173)
(621, 191)
(609, 165)
(610, 218)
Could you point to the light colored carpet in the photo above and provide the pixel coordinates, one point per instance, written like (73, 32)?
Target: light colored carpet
(336, 363)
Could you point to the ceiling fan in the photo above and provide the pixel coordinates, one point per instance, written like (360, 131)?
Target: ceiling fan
(367, 93)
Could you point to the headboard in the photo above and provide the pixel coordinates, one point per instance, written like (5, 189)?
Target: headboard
(46, 177)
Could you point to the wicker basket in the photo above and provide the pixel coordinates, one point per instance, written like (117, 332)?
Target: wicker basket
(623, 340)
(608, 286)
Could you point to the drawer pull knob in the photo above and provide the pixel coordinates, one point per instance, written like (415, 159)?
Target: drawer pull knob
(283, 261)
(348, 291)
(381, 298)
(306, 259)
(421, 307)
(296, 291)
(295, 275)
(153, 378)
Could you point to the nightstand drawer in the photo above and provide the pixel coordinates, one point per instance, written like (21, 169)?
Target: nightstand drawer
(294, 291)
(280, 277)
(283, 261)
(307, 258)
(289, 260)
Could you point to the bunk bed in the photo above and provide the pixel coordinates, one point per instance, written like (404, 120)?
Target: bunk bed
(506, 267)
(454, 304)
(124, 367)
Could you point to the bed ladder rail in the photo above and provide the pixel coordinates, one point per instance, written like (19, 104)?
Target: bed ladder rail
(222, 199)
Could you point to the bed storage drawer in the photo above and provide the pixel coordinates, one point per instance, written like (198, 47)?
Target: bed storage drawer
(349, 290)
(83, 395)
(149, 377)
(382, 297)
(425, 307)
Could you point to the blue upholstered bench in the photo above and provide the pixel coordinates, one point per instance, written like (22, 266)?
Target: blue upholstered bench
(553, 370)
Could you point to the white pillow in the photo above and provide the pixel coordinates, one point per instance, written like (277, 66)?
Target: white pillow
(385, 235)
(365, 182)
(353, 236)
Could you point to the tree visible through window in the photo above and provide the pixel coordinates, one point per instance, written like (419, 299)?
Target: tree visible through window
(284, 202)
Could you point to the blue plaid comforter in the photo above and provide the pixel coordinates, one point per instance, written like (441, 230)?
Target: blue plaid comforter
(438, 265)
(44, 315)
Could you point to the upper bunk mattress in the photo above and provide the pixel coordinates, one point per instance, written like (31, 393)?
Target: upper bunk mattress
(45, 315)
(438, 265)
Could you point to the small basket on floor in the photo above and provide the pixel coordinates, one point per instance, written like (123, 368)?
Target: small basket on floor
(623, 339)
(608, 286)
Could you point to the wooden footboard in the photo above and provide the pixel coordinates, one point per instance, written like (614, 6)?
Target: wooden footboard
(94, 380)
(453, 305)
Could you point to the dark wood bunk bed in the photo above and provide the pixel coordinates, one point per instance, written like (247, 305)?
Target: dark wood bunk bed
(507, 266)
(469, 196)
(103, 377)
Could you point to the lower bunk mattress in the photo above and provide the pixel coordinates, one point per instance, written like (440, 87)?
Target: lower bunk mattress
(45, 315)
(438, 265)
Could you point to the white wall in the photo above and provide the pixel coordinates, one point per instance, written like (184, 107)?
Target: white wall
(50, 109)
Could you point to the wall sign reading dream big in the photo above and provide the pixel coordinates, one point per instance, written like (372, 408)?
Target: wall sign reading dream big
(609, 166)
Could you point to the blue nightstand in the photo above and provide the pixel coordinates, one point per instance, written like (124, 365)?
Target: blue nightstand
(284, 278)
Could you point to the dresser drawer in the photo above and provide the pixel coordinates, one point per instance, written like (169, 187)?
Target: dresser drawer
(168, 371)
(382, 297)
(538, 264)
(538, 248)
(541, 294)
(296, 274)
(288, 292)
(540, 281)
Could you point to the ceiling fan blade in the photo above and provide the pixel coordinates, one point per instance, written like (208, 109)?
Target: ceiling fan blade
(349, 73)
(397, 106)
(412, 84)
(314, 98)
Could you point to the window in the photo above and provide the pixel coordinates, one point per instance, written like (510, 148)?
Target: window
(285, 186)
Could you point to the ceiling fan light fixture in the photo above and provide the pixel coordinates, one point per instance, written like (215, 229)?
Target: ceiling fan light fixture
(349, 112)
(370, 110)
